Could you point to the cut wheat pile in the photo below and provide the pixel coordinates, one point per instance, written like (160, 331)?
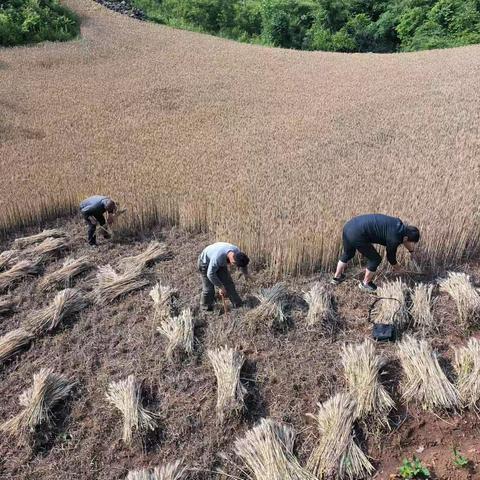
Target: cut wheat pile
(163, 298)
(270, 311)
(38, 401)
(467, 367)
(66, 303)
(155, 251)
(8, 258)
(125, 395)
(19, 272)
(179, 332)
(227, 364)
(421, 309)
(424, 380)
(112, 285)
(7, 304)
(267, 451)
(70, 269)
(13, 342)
(170, 471)
(39, 237)
(467, 299)
(49, 247)
(392, 308)
(362, 372)
(320, 305)
(336, 454)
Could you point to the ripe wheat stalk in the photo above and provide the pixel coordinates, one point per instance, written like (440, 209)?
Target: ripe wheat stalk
(421, 309)
(179, 332)
(7, 305)
(38, 401)
(125, 396)
(19, 272)
(320, 305)
(467, 367)
(49, 247)
(163, 298)
(13, 342)
(39, 237)
(270, 311)
(336, 454)
(267, 450)
(155, 251)
(70, 269)
(424, 380)
(227, 364)
(8, 258)
(170, 471)
(362, 373)
(392, 308)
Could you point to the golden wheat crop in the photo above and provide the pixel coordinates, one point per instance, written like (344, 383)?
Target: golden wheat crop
(268, 148)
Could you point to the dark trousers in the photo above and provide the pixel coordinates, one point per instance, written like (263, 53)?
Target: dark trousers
(208, 288)
(350, 246)
(91, 227)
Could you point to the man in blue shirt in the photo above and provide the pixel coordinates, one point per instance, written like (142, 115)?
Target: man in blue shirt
(93, 210)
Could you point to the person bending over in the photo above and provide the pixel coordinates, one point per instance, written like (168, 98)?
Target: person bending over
(213, 267)
(361, 232)
(93, 210)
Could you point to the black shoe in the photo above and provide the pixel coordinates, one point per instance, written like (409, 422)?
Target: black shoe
(206, 308)
(93, 244)
(338, 280)
(368, 287)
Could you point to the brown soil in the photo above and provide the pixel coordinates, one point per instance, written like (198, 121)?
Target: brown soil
(287, 372)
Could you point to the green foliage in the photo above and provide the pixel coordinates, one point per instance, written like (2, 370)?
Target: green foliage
(459, 460)
(413, 469)
(333, 25)
(31, 21)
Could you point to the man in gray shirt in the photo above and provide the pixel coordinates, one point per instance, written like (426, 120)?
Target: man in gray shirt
(92, 209)
(213, 266)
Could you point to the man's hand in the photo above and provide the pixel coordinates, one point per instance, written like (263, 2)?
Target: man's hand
(222, 292)
(397, 268)
(110, 219)
(92, 220)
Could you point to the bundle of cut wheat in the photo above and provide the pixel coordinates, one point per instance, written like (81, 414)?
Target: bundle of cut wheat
(425, 381)
(8, 258)
(14, 341)
(48, 389)
(125, 395)
(170, 471)
(392, 308)
(163, 298)
(154, 251)
(7, 304)
(49, 247)
(66, 303)
(467, 299)
(362, 369)
(467, 367)
(21, 270)
(63, 276)
(112, 285)
(227, 364)
(337, 455)
(421, 310)
(179, 332)
(32, 239)
(320, 304)
(271, 308)
(267, 451)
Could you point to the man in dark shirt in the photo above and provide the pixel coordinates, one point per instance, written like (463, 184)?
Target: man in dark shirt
(361, 232)
(93, 209)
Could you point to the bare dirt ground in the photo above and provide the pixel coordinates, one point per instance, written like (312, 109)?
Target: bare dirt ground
(287, 372)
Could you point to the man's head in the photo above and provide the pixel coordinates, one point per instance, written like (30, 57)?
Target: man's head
(241, 260)
(411, 238)
(110, 206)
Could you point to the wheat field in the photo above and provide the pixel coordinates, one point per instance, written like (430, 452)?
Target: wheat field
(269, 148)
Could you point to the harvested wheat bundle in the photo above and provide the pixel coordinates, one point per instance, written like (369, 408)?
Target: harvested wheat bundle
(125, 395)
(8, 258)
(179, 331)
(425, 381)
(154, 251)
(362, 369)
(170, 471)
(39, 237)
(163, 298)
(467, 367)
(112, 285)
(267, 450)
(421, 310)
(48, 389)
(337, 455)
(66, 303)
(271, 308)
(63, 276)
(49, 247)
(7, 304)
(14, 341)
(467, 299)
(320, 304)
(392, 309)
(21, 270)
(227, 364)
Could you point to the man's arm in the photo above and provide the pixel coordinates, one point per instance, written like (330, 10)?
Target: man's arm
(392, 253)
(212, 273)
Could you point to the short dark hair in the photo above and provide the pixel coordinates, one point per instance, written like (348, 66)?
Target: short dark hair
(412, 233)
(241, 259)
(110, 206)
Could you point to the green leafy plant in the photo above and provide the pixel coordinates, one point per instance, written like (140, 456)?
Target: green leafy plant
(460, 460)
(413, 469)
